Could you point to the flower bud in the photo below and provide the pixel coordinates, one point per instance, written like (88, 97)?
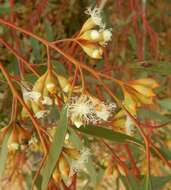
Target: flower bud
(51, 83)
(39, 84)
(72, 152)
(65, 85)
(88, 25)
(56, 175)
(93, 51)
(91, 35)
(64, 167)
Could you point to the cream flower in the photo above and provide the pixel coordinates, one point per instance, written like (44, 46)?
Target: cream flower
(104, 111)
(31, 95)
(107, 35)
(47, 101)
(81, 111)
(79, 164)
(95, 14)
(41, 114)
(86, 109)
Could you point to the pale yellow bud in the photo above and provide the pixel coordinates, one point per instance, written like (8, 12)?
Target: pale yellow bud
(56, 175)
(64, 167)
(91, 35)
(65, 85)
(72, 152)
(93, 51)
(97, 53)
(51, 83)
(89, 24)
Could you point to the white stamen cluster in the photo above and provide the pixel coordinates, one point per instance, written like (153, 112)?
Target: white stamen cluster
(33, 140)
(33, 95)
(107, 36)
(104, 111)
(79, 164)
(47, 101)
(41, 114)
(86, 109)
(95, 14)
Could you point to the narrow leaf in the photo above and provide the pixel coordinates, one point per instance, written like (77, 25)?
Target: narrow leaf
(55, 149)
(158, 182)
(108, 134)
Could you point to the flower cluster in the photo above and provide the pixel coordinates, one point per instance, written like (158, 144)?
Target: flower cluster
(139, 92)
(136, 93)
(86, 109)
(91, 38)
(44, 93)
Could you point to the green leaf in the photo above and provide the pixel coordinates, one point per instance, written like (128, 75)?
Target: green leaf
(158, 182)
(4, 152)
(75, 139)
(91, 170)
(165, 103)
(36, 49)
(130, 182)
(108, 134)
(55, 149)
(150, 114)
(148, 183)
(157, 67)
(49, 32)
(4, 9)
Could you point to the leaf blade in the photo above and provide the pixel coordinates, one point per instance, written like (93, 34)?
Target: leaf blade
(55, 149)
(107, 134)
